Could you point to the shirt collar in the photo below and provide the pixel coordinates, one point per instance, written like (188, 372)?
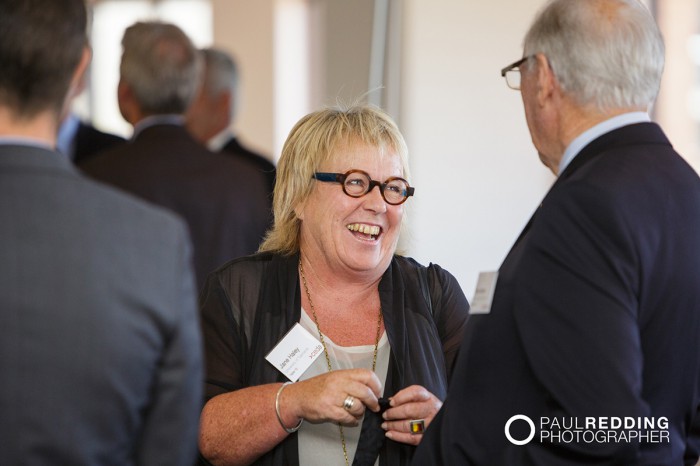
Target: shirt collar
(65, 140)
(217, 142)
(583, 139)
(153, 120)
(24, 141)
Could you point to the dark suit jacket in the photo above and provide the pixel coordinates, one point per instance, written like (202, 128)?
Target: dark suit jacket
(596, 313)
(233, 147)
(222, 199)
(89, 141)
(100, 359)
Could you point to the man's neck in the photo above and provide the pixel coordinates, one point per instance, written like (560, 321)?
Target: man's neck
(591, 128)
(42, 127)
(576, 120)
(573, 120)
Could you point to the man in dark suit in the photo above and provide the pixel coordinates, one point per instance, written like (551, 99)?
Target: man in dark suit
(100, 359)
(588, 352)
(77, 139)
(212, 113)
(222, 199)
(80, 141)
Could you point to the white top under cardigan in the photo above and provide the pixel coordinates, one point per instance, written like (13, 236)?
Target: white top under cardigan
(319, 444)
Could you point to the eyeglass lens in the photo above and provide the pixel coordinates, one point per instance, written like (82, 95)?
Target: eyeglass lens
(513, 78)
(358, 184)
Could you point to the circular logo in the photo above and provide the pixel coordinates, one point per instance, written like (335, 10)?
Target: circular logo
(519, 417)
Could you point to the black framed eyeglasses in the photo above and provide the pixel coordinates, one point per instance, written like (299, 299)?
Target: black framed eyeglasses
(357, 183)
(512, 73)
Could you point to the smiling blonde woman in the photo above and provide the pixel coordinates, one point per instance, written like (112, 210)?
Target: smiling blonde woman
(389, 328)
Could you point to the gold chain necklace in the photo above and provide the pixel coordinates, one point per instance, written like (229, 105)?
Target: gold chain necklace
(325, 350)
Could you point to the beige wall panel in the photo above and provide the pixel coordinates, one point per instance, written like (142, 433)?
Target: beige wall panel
(245, 28)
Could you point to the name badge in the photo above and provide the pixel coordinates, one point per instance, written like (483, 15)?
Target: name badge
(483, 296)
(295, 352)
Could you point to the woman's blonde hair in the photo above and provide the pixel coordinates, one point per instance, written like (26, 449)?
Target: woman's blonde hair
(310, 143)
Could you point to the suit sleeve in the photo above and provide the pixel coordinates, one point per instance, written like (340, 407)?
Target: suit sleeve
(171, 425)
(693, 447)
(576, 313)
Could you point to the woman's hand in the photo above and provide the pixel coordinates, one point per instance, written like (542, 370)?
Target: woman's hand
(322, 398)
(410, 404)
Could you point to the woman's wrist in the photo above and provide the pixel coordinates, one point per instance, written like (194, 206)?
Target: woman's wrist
(289, 430)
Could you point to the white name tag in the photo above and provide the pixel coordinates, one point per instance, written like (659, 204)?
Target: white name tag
(483, 296)
(295, 352)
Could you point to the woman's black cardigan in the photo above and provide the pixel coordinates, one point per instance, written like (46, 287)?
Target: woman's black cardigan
(250, 303)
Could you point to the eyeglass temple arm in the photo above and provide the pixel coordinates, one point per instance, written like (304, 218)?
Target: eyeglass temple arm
(329, 177)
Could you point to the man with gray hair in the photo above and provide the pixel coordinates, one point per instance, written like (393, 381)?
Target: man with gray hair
(587, 351)
(212, 113)
(223, 200)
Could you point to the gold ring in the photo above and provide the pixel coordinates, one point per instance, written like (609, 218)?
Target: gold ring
(417, 426)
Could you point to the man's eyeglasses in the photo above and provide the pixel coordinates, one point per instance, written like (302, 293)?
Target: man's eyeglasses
(512, 73)
(357, 183)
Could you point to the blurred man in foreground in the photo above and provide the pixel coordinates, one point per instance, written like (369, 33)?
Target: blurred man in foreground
(100, 357)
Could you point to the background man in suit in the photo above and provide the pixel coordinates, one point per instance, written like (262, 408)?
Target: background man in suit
(222, 199)
(100, 356)
(212, 113)
(79, 140)
(596, 314)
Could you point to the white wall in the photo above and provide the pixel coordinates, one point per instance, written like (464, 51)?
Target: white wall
(678, 106)
(477, 176)
(245, 28)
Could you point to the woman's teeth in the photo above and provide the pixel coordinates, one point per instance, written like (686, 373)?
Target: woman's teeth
(372, 230)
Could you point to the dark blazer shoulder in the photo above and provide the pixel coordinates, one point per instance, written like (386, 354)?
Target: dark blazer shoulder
(617, 140)
(90, 141)
(234, 147)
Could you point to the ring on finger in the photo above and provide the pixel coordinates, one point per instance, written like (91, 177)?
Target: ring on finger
(417, 426)
(349, 402)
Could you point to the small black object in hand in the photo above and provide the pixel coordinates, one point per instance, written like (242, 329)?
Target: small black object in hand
(384, 404)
